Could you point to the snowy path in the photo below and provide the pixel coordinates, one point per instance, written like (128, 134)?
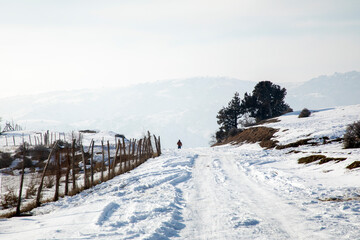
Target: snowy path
(204, 193)
(224, 203)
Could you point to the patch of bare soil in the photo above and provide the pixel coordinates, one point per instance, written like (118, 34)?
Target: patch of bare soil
(311, 159)
(323, 159)
(329, 159)
(296, 144)
(262, 135)
(339, 199)
(355, 164)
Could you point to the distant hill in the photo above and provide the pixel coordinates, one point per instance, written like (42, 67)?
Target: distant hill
(338, 89)
(174, 109)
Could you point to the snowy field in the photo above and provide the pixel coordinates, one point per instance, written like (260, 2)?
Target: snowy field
(227, 192)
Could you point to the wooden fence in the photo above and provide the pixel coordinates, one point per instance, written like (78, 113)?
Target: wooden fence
(46, 138)
(75, 169)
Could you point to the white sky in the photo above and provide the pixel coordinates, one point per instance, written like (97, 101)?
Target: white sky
(69, 44)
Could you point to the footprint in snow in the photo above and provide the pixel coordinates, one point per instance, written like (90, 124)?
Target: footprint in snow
(247, 223)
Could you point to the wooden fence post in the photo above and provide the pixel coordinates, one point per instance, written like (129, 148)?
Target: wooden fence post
(128, 157)
(92, 162)
(156, 146)
(109, 166)
(67, 171)
(43, 176)
(120, 159)
(73, 163)
(137, 153)
(103, 161)
(159, 142)
(133, 155)
(21, 183)
(114, 161)
(84, 163)
(58, 174)
(144, 154)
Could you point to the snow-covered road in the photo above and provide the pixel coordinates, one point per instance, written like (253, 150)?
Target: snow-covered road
(222, 202)
(205, 193)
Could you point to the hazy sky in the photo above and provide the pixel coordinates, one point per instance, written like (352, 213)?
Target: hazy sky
(65, 44)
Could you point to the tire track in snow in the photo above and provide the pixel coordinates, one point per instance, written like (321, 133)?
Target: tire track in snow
(223, 203)
(107, 212)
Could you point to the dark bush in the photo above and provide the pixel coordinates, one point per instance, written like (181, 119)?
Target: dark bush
(5, 160)
(352, 135)
(28, 163)
(234, 131)
(39, 152)
(304, 113)
(220, 136)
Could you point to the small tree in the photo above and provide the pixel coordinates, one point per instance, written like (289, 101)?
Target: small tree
(228, 117)
(352, 135)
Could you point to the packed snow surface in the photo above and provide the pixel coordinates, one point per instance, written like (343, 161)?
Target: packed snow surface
(227, 192)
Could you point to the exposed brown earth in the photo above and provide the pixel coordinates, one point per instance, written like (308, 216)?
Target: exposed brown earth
(262, 135)
(355, 164)
(323, 159)
(296, 144)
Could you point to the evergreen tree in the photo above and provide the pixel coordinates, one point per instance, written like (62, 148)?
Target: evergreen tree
(266, 101)
(228, 117)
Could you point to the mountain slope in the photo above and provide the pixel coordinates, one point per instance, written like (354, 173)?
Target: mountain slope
(184, 109)
(339, 89)
(174, 109)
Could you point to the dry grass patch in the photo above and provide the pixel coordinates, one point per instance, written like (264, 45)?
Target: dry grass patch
(355, 164)
(337, 160)
(310, 159)
(262, 135)
(339, 199)
(296, 144)
(323, 159)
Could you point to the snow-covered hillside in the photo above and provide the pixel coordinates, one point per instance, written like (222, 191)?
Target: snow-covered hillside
(175, 109)
(226, 192)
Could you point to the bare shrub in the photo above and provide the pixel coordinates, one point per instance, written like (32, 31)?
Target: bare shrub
(32, 187)
(5, 160)
(49, 181)
(352, 135)
(304, 113)
(10, 198)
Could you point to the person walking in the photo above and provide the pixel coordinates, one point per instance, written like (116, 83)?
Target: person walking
(179, 144)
